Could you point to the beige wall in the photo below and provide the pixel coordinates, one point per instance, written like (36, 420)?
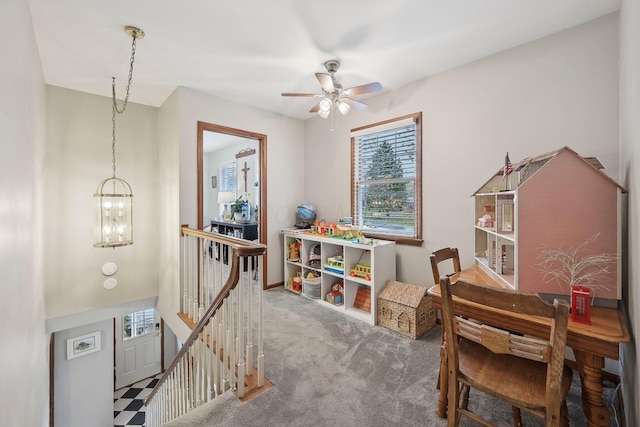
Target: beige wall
(629, 161)
(178, 180)
(285, 149)
(560, 90)
(169, 216)
(24, 343)
(78, 157)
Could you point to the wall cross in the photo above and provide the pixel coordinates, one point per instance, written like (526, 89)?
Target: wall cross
(245, 170)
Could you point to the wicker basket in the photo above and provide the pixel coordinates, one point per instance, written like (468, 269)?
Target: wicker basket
(406, 309)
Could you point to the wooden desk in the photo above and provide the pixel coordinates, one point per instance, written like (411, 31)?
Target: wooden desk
(590, 344)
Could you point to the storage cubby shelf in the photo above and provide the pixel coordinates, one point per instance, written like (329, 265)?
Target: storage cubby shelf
(380, 258)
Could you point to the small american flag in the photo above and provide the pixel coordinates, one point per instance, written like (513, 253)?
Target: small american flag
(508, 168)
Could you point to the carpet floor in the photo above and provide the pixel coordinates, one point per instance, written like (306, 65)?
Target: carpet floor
(332, 370)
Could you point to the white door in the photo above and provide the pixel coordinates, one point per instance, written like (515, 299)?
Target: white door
(137, 347)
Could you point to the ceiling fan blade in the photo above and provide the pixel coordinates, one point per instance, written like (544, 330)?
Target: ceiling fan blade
(326, 81)
(354, 104)
(299, 94)
(315, 108)
(360, 90)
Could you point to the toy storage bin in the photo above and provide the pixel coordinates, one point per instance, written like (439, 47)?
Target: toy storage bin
(311, 288)
(406, 309)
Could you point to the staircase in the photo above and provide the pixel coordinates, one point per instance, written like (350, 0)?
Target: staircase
(226, 318)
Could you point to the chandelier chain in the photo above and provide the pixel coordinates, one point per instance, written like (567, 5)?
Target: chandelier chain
(114, 104)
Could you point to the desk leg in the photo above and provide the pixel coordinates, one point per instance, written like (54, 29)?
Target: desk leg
(443, 378)
(590, 369)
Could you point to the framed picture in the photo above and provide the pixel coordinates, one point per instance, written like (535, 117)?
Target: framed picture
(83, 345)
(214, 181)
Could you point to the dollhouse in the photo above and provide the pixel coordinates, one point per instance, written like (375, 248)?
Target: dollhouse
(552, 223)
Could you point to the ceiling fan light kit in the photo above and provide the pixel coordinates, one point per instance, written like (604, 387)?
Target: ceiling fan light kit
(334, 96)
(344, 108)
(325, 105)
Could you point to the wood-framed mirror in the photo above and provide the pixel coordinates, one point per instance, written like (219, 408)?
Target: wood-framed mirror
(232, 163)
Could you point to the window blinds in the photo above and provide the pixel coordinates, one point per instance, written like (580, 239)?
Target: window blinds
(227, 177)
(384, 178)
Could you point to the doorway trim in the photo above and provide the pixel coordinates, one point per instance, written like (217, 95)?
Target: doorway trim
(262, 158)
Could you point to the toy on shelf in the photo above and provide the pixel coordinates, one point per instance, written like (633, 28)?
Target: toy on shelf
(305, 215)
(324, 228)
(312, 275)
(362, 270)
(367, 241)
(294, 284)
(485, 221)
(346, 220)
(344, 230)
(363, 267)
(350, 232)
(293, 251)
(363, 299)
(336, 295)
(335, 264)
(314, 256)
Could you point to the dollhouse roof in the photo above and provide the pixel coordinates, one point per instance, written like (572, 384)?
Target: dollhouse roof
(403, 293)
(526, 168)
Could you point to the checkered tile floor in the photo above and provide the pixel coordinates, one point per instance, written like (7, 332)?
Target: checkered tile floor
(128, 407)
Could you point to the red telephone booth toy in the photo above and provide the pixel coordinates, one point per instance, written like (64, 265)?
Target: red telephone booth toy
(581, 304)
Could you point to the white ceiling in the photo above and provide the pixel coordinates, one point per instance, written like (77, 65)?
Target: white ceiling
(251, 51)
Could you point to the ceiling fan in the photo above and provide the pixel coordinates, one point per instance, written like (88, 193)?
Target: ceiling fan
(333, 95)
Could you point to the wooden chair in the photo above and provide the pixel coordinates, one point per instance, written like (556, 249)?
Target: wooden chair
(443, 255)
(437, 257)
(526, 372)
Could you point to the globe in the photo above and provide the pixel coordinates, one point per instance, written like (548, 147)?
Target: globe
(305, 215)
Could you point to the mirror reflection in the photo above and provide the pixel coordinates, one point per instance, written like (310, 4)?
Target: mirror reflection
(232, 183)
(231, 168)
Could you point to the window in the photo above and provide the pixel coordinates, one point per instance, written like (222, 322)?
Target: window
(386, 179)
(138, 324)
(227, 174)
(227, 183)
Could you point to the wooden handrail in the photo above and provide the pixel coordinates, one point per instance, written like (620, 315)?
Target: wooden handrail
(241, 248)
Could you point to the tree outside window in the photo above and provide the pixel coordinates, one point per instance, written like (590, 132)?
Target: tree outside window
(386, 179)
(388, 196)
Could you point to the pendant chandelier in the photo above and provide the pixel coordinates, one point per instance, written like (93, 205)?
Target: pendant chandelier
(114, 198)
